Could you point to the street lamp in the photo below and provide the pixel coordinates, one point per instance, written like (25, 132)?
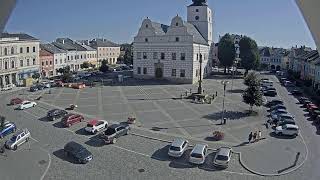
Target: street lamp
(224, 83)
(200, 78)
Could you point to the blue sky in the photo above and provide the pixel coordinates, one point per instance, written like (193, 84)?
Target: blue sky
(275, 23)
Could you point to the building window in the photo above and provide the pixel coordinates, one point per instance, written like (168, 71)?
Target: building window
(5, 51)
(46, 62)
(6, 65)
(197, 10)
(21, 63)
(177, 24)
(85, 56)
(28, 50)
(197, 72)
(56, 61)
(28, 62)
(60, 61)
(145, 55)
(34, 49)
(50, 62)
(155, 55)
(182, 73)
(34, 61)
(138, 55)
(21, 50)
(147, 25)
(145, 71)
(42, 63)
(81, 57)
(197, 56)
(146, 40)
(12, 50)
(68, 58)
(163, 56)
(139, 70)
(174, 56)
(174, 73)
(183, 56)
(12, 64)
(71, 58)
(197, 18)
(177, 39)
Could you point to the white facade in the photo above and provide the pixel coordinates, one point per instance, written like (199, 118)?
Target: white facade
(173, 52)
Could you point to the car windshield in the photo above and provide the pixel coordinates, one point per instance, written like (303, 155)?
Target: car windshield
(13, 138)
(196, 155)
(222, 158)
(89, 125)
(110, 131)
(174, 148)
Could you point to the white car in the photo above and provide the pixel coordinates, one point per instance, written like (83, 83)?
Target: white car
(95, 126)
(274, 114)
(26, 105)
(287, 129)
(198, 154)
(222, 157)
(18, 139)
(8, 87)
(178, 147)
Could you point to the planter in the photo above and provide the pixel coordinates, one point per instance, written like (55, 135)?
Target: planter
(218, 135)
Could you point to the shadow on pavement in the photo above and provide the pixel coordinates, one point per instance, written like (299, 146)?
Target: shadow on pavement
(61, 154)
(273, 134)
(44, 119)
(82, 132)
(236, 91)
(95, 141)
(241, 144)
(230, 115)
(161, 154)
(58, 125)
(182, 162)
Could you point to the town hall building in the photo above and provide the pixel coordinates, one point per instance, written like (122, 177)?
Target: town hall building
(174, 52)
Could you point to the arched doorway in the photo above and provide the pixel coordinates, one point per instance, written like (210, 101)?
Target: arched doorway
(158, 73)
(272, 67)
(278, 68)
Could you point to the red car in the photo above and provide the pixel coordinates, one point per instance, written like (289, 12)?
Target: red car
(311, 107)
(15, 101)
(71, 119)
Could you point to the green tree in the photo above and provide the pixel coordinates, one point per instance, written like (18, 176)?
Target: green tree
(104, 67)
(85, 65)
(36, 76)
(226, 51)
(252, 95)
(252, 79)
(66, 74)
(128, 53)
(249, 54)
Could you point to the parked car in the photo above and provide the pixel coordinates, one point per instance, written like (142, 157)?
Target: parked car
(274, 114)
(7, 129)
(296, 92)
(306, 102)
(56, 114)
(114, 132)
(178, 147)
(287, 129)
(198, 154)
(280, 73)
(77, 151)
(266, 83)
(15, 101)
(95, 126)
(34, 89)
(302, 99)
(222, 157)
(282, 80)
(279, 106)
(274, 102)
(286, 121)
(311, 107)
(18, 139)
(270, 89)
(281, 117)
(288, 84)
(8, 87)
(26, 105)
(46, 84)
(271, 93)
(71, 119)
(40, 86)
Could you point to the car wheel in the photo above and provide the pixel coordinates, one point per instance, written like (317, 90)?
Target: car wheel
(280, 133)
(106, 126)
(33, 105)
(127, 132)
(95, 132)
(27, 139)
(15, 147)
(114, 140)
(1, 136)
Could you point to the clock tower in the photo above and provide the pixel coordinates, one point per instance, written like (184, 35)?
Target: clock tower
(200, 15)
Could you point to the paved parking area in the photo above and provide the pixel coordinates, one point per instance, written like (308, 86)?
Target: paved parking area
(156, 107)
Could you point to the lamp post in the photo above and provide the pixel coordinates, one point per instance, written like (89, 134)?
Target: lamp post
(224, 83)
(200, 78)
(234, 66)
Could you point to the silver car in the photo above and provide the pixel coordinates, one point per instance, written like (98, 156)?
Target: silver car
(178, 147)
(18, 139)
(222, 157)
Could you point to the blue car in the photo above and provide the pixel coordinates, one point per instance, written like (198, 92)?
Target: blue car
(7, 129)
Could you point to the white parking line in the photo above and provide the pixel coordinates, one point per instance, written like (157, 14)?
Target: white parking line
(130, 151)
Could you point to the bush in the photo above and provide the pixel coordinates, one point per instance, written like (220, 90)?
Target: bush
(218, 135)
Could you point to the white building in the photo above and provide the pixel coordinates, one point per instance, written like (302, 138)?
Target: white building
(106, 50)
(174, 52)
(19, 58)
(60, 57)
(274, 58)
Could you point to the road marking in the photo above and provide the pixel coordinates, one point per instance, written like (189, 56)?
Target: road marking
(49, 164)
(130, 151)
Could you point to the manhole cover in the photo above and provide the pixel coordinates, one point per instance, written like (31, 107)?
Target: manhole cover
(42, 162)
(141, 170)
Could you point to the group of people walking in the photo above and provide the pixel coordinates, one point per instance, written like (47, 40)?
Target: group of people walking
(254, 137)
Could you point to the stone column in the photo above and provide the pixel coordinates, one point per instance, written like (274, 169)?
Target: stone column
(2, 81)
(10, 78)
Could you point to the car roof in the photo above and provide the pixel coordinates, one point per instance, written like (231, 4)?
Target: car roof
(292, 126)
(225, 151)
(113, 126)
(73, 145)
(198, 148)
(25, 101)
(178, 142)
(93, 121)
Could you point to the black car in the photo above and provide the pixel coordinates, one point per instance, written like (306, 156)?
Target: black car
(270, 93)
(274, 102)
(56, 114)
(77, 151)
(296, 92)
(302, 99)
(276, 107)
(270, 89)
(33, 89)
(40, 87)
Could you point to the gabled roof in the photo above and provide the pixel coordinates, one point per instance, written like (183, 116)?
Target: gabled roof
(51, 48)
(21, 36)
(102, 43)
(160, 29)
(68, 44)
(197, 36)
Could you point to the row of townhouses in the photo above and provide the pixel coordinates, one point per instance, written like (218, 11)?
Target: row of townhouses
(22, 56)
(274, 58)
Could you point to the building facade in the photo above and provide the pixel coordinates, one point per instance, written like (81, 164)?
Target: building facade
(59, 56)
(274, 58)
(19, 58)
(175, 52)
(106, 50)
(46, 63)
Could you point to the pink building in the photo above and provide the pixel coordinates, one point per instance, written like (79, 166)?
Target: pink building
(46, 63)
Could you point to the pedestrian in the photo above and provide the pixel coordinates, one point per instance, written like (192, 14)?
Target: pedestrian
(254, 136)
(190, 91)
(224, 120)
(186, 93)
(250, 137)
(216, 93)
(267, 125)
(203, 91)
(259, 135)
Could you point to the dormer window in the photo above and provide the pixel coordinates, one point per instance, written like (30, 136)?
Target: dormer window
(197, 17)
(147, 25)
(146, 40)
(177, 24)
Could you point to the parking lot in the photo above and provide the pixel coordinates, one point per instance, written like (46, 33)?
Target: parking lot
(161, 117)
